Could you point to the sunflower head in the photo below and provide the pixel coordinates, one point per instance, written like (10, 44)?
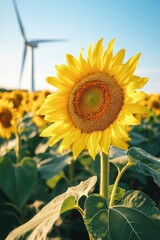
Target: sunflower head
(154, 103)
(96, 99)
(7, 119)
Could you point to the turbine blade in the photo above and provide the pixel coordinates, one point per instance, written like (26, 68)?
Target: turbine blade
(36, 41)
(22, 65)
(19, 20)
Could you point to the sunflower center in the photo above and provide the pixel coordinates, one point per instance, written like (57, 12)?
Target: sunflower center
(5, 117)
(156, 104)
(95, 102)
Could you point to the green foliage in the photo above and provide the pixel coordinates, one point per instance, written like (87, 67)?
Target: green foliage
(96, 216)
(128, 223)
(51, 212)
(142, 203)
(147, 136)
(118, 157)
(9, 218)
(146, 163)
(50, 167)
(17, 179)
(32, 174)
(119, 193)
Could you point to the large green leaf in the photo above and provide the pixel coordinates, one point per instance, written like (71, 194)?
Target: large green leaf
(42, 222)
(51, 167)
(9, 218)
(119, 193)
(146, 163)
(141, 202)
(130, 224)
(17, 180)
(96, 216)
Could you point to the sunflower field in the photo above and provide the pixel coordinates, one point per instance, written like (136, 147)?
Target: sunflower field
(57, 188)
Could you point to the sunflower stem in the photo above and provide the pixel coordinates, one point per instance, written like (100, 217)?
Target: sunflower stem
(17, 147)
(71, 171)
(104, 175)
(120, 173)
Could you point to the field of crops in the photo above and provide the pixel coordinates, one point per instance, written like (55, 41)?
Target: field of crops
(32, 173)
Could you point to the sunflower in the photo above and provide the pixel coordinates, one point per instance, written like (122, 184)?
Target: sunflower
(37, 119)
(7, 119)
(95, 100)
(154, 104)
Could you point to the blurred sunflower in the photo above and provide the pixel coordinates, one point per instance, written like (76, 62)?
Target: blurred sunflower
(95, 101)
(37, 119)
(154, 103)
(7, 119)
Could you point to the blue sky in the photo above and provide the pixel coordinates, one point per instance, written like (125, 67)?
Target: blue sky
(135, 25)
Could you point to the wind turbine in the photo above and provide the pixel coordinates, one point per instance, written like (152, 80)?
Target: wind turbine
(32, 44)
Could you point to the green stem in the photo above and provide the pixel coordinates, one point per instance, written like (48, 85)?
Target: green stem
(17, 147)
(120, 173)
(90, 237)
(104, 176)
(71, 171)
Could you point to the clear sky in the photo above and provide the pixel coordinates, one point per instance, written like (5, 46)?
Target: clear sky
(135, 24)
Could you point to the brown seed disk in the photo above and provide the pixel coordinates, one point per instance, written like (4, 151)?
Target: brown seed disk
(95, 102)
(156, 104)
(5, 117)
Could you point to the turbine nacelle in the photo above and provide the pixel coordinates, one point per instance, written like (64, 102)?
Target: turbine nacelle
(31, 44)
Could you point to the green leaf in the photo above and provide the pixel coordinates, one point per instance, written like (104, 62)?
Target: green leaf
(118, 157)
(127, 223)
(51, 167)
(146, 163)
(17, 180)
(96, 216)
(119, 193)
(141, 202)
(52, 182)
(116, 152)
(68, 204)
(9, 218)
(42, 222)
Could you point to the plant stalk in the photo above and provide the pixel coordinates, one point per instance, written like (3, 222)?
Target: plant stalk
(17, 148)
(104, 175)
(120, 173)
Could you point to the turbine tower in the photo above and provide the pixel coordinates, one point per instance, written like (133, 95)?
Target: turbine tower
(32, 44)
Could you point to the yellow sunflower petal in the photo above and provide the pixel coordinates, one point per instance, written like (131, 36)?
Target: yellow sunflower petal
(57, 82)
(128, 119)
(117, 142)
(137, 82)
(65, 73)
(105, 141)
(59, 126)
(73, 64)
(79, 145)
(93, 143)
(138, 96)
(136, 108)
(86, 68)
(97, 55)
(69, 139)
(121, 131)
(107, 57)
(117, 61)
(128, 69)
